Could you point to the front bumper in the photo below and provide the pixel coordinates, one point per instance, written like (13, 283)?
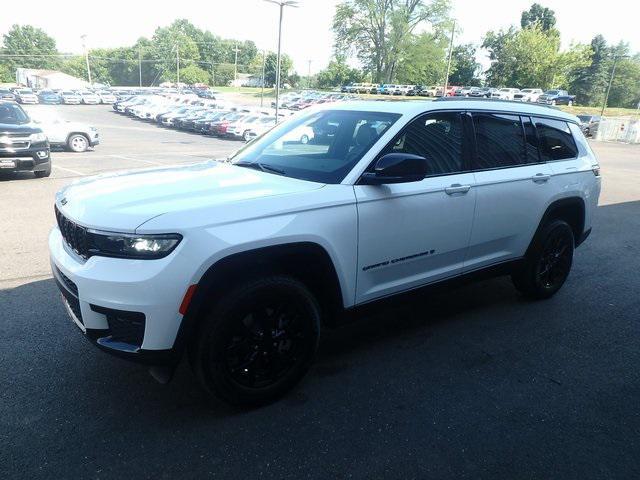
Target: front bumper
(101, 290)
(36, 159)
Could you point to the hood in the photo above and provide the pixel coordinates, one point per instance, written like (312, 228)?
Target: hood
(25, 128)
(124, 201)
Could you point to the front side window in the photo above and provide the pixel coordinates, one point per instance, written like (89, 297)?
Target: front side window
(556, 141)
(500, 141)
(320, 147)
(436, 137)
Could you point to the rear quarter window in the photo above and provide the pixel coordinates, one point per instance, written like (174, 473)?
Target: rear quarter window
(555, 140)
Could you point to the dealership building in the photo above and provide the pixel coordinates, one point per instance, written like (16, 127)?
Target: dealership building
(50, 79)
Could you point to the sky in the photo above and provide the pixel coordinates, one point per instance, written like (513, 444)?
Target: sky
(306, 30)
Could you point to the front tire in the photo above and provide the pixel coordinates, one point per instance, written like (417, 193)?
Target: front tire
(547, 263)
(258, 341)
(77, 143)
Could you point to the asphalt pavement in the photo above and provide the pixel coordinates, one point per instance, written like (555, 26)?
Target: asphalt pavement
(471, 382)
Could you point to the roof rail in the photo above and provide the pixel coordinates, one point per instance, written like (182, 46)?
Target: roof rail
(482, 99)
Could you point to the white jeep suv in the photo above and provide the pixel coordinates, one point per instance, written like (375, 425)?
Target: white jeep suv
(242, 262)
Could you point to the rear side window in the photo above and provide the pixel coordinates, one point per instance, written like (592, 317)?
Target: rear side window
(500, 141)
(436, 137)
(556, 141)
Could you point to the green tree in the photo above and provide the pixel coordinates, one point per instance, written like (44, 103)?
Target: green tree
(194, 74)
(464, 67)
(286, 66)
(338, 73)
(531, 57)
(222, 74)
(377, 31)
(538, 15)
(39, 48)
(424, 61)
(590, 82)
(625, 89)
(177, 41)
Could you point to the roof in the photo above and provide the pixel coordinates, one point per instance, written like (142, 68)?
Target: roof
(415, 107)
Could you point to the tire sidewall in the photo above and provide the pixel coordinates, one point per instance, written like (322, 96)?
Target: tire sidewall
(526, 279)
(209, 361)
(70, 143)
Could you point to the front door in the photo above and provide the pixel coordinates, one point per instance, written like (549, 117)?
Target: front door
(411, 234)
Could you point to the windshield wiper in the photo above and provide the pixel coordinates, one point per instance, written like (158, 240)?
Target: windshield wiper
(260, 166)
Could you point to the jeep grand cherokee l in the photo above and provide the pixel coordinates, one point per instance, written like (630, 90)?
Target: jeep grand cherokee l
(23, 146)
(242, 263)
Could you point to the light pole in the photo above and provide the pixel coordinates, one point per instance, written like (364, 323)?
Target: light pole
(613, 72)
(86, 56)
(235, 68)
(140, 65)
(309, 75)
(446, 81)
(264, 60)
(281, 4)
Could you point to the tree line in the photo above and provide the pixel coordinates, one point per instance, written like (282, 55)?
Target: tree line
(407, 42)
(203, 56)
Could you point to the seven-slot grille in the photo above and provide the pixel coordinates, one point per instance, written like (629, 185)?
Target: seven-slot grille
(74, 235)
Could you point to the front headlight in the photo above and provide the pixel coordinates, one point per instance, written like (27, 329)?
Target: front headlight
(37, 137)
(124, 245)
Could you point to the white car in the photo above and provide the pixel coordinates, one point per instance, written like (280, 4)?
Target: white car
(73, 136)
(260, 127)
(89, 98)
(243, 262)
(528, 94)
(25, 96)
(505, 93)
(106, 97)
(70, 97)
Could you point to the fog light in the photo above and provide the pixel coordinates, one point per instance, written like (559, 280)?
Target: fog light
(42, 154)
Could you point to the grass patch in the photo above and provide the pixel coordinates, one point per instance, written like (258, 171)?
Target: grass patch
(608, 112)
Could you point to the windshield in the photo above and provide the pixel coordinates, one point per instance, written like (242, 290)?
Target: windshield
(319, 147)
(552, 92)
(12, 114)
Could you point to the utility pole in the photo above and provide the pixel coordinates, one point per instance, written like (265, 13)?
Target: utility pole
(264, 59)
(235, 68)
(140, 64)
(86, 56)
(178, 66)
(446, 81)
(613, 72)
(309, 75)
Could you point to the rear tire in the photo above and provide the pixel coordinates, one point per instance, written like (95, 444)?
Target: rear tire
(77, 143)
(258, 341)
(547, 263)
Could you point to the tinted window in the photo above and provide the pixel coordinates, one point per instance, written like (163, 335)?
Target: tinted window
(436, 137)
(500, 141)
(556, 141)
(320, 146)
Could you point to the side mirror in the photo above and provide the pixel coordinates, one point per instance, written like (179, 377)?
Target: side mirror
(396, 168)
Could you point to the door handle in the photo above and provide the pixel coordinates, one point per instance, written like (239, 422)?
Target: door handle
(540, 178)
(457, 188)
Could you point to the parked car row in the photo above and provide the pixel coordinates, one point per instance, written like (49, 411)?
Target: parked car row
(307, 98)
(28, 96)
(200, 115)
(533, 95)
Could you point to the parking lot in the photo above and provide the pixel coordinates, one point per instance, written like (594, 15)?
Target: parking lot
(471, 382)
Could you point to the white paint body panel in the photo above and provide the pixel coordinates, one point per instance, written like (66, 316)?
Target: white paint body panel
(221, 209)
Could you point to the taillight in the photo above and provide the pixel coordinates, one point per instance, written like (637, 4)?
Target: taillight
(596, 170)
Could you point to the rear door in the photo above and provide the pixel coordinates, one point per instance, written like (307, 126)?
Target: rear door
(512, 185)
